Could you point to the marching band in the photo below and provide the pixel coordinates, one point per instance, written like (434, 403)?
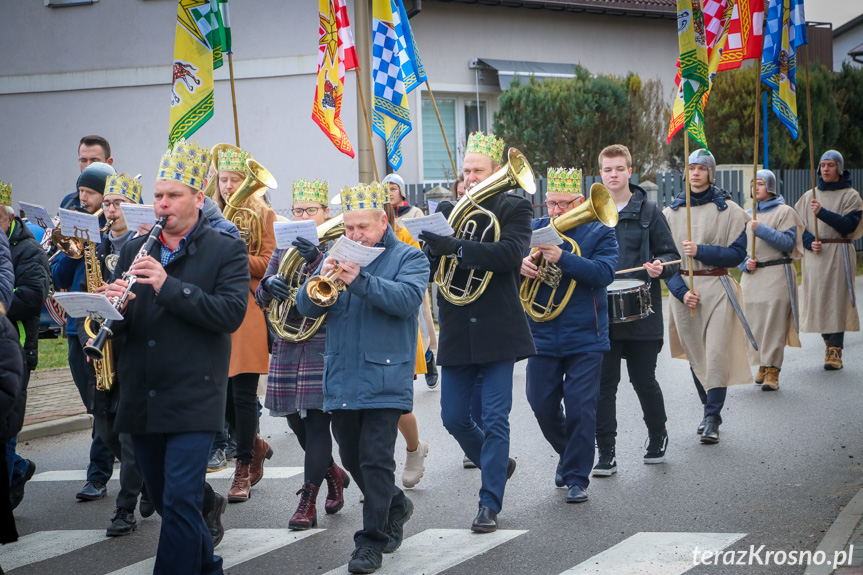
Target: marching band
(209, 304)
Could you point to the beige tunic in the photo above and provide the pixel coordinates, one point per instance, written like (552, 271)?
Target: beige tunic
(825, 304)
(765, 291)
(713, 339)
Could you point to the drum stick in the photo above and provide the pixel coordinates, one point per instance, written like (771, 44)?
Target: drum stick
(640, 268)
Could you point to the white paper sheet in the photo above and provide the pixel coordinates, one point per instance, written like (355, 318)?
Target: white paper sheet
(287, 232)
(432, 207)
(38, 215)
(80, 225)
(345, 250)
(545, 236)
(435, 223)
(137, 214)
(83, 304)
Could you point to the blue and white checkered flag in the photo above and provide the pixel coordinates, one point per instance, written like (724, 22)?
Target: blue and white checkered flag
(785, 31)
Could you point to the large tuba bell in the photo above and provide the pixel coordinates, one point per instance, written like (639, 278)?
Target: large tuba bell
(600, 207)
(464, 221)
(291, 270)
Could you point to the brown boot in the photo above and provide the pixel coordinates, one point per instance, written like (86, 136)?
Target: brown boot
(337, 481)
(306, 515)
(759, 377)
(833, 359)
(260, 451)
(771, 379)
(241, 487)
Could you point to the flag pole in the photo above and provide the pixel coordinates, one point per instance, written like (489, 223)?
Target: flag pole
(366, 116)
(688, 193)
(755, 155)
(233, 96)
(809, 117)
(440, 123)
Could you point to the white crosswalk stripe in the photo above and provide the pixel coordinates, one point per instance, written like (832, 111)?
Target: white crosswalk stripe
(435, 550)
(81, 475)
(238, 546)
(44, 545)
(654, 554)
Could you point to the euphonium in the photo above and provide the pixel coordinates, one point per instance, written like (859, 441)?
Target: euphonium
(599, 207)
(93, 272)
(72, 246)
(463, 220)
(291, 270)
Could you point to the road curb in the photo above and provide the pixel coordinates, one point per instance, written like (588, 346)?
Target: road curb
(840, 533)
(55, 427)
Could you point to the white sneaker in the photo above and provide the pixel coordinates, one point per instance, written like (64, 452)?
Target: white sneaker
(415, 465)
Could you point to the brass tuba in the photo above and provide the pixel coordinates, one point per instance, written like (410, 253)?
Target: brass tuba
(600, 207)
(463, 220)
(291, 270)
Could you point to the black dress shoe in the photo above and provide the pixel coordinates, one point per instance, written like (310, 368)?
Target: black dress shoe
(711, 429)
(214, 519)
(16, 490)
(510, 468)
(365, 560)
(146, 506)
(576, 495)
(558, 475)
(122, 523)
(396, 528)
(485, 521)
(92, 491)
(701, 425)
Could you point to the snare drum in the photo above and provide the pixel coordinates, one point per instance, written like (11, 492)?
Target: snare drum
(628, 300)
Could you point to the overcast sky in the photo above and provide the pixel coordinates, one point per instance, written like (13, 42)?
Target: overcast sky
(836, 11)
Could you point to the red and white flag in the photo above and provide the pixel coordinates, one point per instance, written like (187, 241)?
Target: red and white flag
(745, 34)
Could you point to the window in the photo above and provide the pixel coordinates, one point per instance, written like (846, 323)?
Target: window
(459, 117)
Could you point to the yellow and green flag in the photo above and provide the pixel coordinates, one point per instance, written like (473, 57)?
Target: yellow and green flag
(192, 84)
(694, 74)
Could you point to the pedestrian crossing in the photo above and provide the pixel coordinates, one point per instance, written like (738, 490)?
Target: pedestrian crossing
(81, 475)
(429, 552)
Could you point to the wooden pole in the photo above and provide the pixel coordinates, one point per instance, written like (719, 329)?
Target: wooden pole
(688, 192)
(366, 116)
(755, 154)
(366, 168)
(641, 268)
(234, 97)
(442, 132)
(811, 145)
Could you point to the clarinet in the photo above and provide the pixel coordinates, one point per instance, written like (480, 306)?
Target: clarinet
(94, 350)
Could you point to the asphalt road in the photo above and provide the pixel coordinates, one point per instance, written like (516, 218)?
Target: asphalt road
(786, 463)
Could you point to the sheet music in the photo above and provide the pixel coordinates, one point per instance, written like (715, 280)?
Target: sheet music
(83, 304)
(345, 250)
(38, 215)
(80, 225)
(432, 207)
(545, 236)
(287, 232)
(137, 214)
(435, 223)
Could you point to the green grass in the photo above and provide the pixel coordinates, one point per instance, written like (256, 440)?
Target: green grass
(53, 353)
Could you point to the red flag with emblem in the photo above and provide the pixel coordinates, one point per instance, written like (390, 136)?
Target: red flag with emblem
(745, 34)
(336, 53)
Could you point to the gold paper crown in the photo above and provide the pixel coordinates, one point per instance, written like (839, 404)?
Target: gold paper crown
(124, 185)
(5, 194)
(233, 160)
(314, 191)
(365, 197)
(564, 181)
(488, 145)
(186, 162)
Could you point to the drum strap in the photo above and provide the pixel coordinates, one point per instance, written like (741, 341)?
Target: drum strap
(645, 231)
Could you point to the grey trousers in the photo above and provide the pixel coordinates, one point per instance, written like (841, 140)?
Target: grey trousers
(120, 445)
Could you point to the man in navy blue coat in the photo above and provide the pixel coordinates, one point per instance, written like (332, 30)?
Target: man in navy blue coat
(569, 348)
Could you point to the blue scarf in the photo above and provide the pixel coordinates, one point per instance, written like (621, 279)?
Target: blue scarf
(711, 194)
(844, 182)
(769, 205)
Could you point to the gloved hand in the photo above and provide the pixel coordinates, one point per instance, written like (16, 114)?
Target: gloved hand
(307, 249)
(277, 287)
(440, 245)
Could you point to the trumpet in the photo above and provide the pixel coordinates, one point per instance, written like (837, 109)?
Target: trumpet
(324, 289)
(95, 349)
(599, 207)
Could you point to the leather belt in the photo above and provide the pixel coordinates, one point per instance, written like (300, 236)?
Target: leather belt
(835, 241)
(776, 262)
(707, 272)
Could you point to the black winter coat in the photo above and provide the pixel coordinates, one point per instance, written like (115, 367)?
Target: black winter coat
(13, 381)
(638, 245)
(32, 281)
(494, 327)
(174, 365)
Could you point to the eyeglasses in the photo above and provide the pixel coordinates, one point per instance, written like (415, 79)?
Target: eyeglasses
(299, 211)
(561, 205)
(115, 204)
